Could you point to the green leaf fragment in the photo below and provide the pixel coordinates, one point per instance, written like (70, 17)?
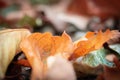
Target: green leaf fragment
(96, 58)
(27, 20)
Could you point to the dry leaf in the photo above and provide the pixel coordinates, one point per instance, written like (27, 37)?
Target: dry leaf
(38, 47)
(93, 42)
(9, 46)
(32, 47)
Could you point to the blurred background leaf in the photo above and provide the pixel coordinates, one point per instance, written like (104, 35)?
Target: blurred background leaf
(48, 2)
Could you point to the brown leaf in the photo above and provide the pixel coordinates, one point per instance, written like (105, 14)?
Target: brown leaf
(23, 62)
(100, 8)
(111, 73)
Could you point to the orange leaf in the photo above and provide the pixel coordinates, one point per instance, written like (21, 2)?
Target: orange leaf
(34, 47)
(94, 42)
(63, 44)
(89, 34)
(38, 47)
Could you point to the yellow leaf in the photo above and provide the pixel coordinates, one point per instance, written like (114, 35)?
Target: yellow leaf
(10, 40)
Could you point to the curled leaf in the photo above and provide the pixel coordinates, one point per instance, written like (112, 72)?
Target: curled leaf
(38, 47)
(9, 46)
(35, 48)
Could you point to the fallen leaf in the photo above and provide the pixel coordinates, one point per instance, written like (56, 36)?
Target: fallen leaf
(9, 46)
(38, 47)
(35, 48)
(93, 62)
(94, 41)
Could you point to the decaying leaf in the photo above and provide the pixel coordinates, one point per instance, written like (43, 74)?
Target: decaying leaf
(97, 57)
(9, 46)
(93, 62)
(38, 47)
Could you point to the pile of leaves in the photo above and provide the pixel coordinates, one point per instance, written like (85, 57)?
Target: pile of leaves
(44, 52)
(44, 56)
